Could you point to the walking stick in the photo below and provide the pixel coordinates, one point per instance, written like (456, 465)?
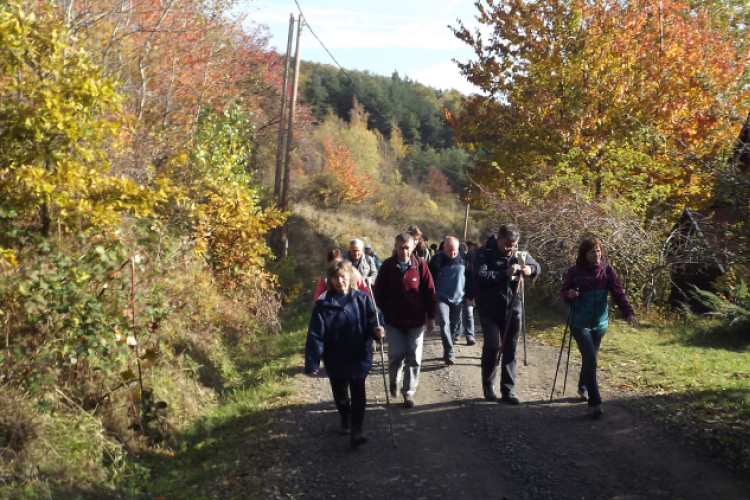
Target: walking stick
(521, 256)
(385, 381)
(567, 363)
(523, 324)
(571, 318)
(507, 322)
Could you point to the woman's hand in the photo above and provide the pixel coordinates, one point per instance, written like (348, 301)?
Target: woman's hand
(633, 322)
(379, 332)
(573, 294)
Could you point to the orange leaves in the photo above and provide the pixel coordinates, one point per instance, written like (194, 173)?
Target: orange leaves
(347, 185)
(437, 182)
(622, 97)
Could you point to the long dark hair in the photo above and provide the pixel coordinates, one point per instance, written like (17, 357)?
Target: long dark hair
(584, 248)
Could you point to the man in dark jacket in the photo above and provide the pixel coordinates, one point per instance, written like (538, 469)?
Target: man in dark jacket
(405, 293)
(361, 261)
(495, 273)
(448, 269)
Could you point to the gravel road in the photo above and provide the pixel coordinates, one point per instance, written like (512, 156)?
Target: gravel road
(453, 444)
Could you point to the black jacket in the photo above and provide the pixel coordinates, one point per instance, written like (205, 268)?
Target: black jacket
(494, 288)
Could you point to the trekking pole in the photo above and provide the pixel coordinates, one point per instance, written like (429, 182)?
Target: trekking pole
(507, 322)
(382, 359)
(523, 324)
(567, 363)
(571, 318)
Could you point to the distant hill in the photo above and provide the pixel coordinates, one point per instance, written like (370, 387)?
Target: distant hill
(413, 107)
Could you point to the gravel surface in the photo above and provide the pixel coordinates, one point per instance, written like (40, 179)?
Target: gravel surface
(453, 444)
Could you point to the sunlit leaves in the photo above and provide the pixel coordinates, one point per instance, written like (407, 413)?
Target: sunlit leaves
(614, 97)
(54, 121)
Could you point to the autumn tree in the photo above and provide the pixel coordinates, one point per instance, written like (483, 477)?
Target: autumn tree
(57, 111)
(339, 181)
(602, 96)
(436, 182)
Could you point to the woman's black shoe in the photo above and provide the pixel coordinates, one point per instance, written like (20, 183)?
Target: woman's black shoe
(346, 426)
(357, 438)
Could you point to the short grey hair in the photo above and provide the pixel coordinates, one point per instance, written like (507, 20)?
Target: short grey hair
(509, 232)
(405, 238)
(356, 242)
(452, 240)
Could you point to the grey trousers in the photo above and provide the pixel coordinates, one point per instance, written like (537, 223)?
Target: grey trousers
(449, 322)
(405, 351)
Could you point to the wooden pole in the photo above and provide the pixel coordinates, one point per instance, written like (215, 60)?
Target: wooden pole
(466, 222)
(290, 136)
(282, 114)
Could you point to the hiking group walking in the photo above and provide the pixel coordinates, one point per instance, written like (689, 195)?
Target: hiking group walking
(415, 289)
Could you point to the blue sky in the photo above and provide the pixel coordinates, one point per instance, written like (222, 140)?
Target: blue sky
(408, 36)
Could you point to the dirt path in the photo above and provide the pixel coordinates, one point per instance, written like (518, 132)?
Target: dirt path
(455, 445)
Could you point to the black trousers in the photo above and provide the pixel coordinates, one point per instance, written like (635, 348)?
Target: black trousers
(351, 410)
(493, 331)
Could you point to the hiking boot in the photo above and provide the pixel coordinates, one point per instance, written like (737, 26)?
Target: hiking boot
(394, 389)
(595, 411)
(408, 401)
(357, 438)
(511, 400)
(450, 361)
(470, 341)
(489, 393)
(345, 428)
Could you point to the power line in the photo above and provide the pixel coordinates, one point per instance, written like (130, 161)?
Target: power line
(364, 97)
(361, 92)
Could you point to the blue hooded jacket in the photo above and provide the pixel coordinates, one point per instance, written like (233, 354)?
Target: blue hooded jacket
(449, 276)
(341, 336)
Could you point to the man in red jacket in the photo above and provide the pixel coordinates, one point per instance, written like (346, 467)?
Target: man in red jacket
(405, 293)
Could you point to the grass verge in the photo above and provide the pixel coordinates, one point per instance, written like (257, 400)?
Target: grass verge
(229, 452)
(694, 378)
(232, 451)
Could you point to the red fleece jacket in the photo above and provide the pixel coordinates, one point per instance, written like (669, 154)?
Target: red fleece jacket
(407, 298)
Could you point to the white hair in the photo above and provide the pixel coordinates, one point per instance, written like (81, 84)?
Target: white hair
(356, 242)
(451, 240)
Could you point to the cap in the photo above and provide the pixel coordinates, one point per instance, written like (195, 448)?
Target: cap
(367, 245)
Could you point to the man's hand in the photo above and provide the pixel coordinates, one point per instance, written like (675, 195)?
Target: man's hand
(368, 281)
(573, 294)
(430, 325)
(633, 322)
(527, 270)
(469, 302)
(379, 332)
(512, 270)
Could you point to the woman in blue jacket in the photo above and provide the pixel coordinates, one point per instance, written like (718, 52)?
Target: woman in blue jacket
(341, 330)
(586, 287)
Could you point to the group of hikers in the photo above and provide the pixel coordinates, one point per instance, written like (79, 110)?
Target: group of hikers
(361, 299)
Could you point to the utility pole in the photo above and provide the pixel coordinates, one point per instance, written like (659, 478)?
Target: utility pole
(282, 114)
(290, 136)
(466, 222)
